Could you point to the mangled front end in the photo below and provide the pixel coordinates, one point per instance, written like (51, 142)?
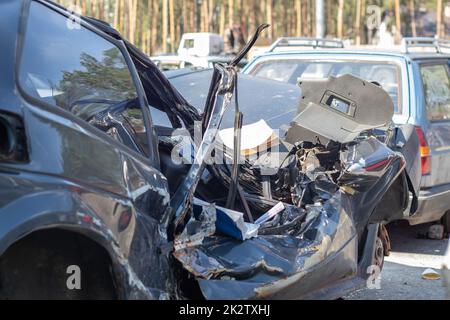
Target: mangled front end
(302, 202)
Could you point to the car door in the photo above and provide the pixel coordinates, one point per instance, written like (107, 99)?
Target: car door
(435, 78)
(88, 125)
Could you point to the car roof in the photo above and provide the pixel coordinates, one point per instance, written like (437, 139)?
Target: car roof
(366, 52)
(428, 55)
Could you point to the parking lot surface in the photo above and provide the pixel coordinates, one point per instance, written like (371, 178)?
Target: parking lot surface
(401, 278)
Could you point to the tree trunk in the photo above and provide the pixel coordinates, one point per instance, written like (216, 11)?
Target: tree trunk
(362, 30)
(140, 21)
(149, 29)
(439, 27)
(202, 20)
(211, 10)
(340, 21)
(83, 7)
(269, 11)
(222, 20)
(172, 25)
(92, 8)
(205, 16)
(184, 13)
(357, 26)
(155, 27)
(412, 13)
(286, 27)
(165, 13)
(398, 22)
(122, 16)
(132, 9)
(329, 27)
(308, 12)
(312, 7)
(99, 9)
(196, 21)
(117, 15)
(230, 13)
(298, 10)
(238, 8)
(249, 13)
(126, 17)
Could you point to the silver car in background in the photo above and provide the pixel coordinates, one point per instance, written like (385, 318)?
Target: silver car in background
(418, 83)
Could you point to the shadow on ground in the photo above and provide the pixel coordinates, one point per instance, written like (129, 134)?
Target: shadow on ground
(411, 254)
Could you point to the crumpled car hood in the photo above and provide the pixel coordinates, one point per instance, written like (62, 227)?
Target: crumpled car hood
(258, 267)
(331, 191)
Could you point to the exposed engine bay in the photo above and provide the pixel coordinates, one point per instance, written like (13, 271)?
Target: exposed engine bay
(301, 198)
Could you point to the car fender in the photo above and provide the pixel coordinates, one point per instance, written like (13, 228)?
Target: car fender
(62, 209)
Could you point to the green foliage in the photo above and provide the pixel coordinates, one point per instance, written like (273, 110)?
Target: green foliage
(109, 74)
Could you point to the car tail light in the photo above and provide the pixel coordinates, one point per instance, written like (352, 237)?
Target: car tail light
(13, 146)
(425, 155)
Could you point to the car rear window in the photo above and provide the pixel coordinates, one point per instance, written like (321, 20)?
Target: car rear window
(436, 84)
(291, 70)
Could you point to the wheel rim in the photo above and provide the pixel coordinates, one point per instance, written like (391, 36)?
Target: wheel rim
(379, 253)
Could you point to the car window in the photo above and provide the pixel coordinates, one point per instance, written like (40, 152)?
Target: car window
(275, 70)
(77, 70)
(189, 43)
(291, 70)
(436, 84)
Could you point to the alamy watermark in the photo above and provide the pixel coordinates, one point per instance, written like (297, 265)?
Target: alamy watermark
(374, 280)
(373, 17)
(73, 281)
(187, 148)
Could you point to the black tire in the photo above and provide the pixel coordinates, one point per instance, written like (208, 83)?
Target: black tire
(383, 234)
(36, 268)
(446, 222)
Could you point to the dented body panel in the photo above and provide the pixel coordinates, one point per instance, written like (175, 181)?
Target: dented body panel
(76, 179)
(320, 238)
(268, 266)
(162, 232)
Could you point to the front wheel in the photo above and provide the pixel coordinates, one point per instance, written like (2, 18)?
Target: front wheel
(382, 246)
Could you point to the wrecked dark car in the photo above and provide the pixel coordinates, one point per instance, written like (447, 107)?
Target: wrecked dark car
(235, 188)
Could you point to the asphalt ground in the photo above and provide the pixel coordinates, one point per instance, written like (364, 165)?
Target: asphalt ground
(401, 277)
